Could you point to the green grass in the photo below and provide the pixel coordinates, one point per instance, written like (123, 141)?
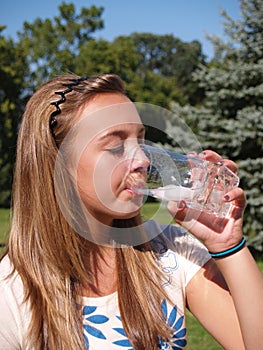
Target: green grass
(260, 265)
(4, 224)
(156, 211)
(198, 337)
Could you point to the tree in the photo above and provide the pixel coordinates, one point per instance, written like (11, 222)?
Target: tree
(156, 68)
(101, 56)
(173, 60)
(45, 48)
(12, 72)
(230, 119)
(52, 45)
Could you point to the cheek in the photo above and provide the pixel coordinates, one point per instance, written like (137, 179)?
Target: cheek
(108, 176)
(101, 186)
(100, 177)
(85, 177)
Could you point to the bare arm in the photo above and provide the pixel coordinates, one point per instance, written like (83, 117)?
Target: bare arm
(209, 299)
(245, 283)
(240, 308)
(234, 317)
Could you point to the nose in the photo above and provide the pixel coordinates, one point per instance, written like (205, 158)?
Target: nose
(139, 161)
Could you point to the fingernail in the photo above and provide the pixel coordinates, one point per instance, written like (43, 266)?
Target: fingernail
(227, 197)
(181, 204)
(202, 154)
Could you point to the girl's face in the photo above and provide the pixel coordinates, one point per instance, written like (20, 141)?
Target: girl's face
(112, 158)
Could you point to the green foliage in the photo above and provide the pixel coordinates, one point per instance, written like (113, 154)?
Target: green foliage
(170, 58)
(4, 225)
(52, 45)
(45, 48)
(156, 68)
(101, 56)
(230, 118)
(12, 70)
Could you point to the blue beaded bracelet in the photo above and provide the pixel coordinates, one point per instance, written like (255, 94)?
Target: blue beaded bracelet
(230, 251)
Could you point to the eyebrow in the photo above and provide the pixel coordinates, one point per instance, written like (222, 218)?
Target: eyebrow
(119, 133)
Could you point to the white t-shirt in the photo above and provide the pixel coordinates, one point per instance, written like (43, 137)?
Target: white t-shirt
(179, 254)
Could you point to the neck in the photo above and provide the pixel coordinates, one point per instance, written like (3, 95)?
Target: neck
(100, 265)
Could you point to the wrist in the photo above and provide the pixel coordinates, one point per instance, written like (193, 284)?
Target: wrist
(230, 251)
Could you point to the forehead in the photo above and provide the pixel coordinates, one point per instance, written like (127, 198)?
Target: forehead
(104, 99)
(106, 111)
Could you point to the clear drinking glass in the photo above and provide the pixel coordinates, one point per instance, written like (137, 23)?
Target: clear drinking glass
(174, 176)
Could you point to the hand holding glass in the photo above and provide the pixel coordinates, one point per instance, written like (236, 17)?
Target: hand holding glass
(173, 176)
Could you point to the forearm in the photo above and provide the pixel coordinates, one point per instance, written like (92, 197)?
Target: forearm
(245, 282)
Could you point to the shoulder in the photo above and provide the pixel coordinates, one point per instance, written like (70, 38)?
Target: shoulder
(8, 276)
(11, 286)
(174, 238)
(14, 315)
(5, 267)
(176, 247)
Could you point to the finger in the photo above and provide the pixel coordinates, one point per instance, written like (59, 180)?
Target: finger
(176, 208)
(237, 196)
(188, 218)
(179, 212)
(210, 156)
(215, 157)
(231, 165)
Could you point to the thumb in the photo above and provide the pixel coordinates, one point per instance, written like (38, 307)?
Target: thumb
(177, 209)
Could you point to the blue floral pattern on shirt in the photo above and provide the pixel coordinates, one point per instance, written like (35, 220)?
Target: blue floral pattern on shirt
(92, 321)
(123, 342)
(175, 321)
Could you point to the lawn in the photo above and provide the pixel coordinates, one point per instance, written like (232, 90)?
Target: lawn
(4, 225)
(198, 338)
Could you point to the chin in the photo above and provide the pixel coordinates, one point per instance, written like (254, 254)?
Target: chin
(127, 215)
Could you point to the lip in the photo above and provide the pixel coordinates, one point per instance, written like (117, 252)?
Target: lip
(133, 192)
(130, 191)
(135, 184)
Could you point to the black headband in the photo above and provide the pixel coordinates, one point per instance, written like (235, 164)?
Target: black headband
(53, 120)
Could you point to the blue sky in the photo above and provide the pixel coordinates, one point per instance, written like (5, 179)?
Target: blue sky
(187, 19)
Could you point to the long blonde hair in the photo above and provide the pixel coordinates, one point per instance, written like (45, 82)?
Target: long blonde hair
(46, 251)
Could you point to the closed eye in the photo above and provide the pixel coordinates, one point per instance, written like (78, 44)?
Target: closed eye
(118, 150)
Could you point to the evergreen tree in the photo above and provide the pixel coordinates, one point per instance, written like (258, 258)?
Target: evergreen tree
(230, 119)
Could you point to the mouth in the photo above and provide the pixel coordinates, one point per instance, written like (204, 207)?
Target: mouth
(130, 191)
(134, 185)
